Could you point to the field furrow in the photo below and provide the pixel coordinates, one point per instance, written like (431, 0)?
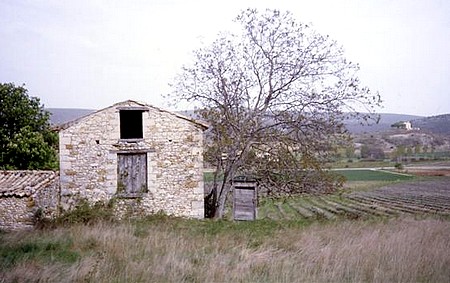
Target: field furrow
(318, 211)
(281, 211)
(341, 208)
(319, 202)
(359, 207)
(303, 212)
(408, 202)
(419, 197)
(367, 202)
(425, 205)
(393, 203)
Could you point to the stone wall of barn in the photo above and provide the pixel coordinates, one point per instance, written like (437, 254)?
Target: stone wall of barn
(89, 151)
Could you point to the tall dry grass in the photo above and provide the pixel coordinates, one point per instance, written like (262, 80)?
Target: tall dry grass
(399, 250)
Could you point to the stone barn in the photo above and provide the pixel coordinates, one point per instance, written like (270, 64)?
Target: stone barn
(142, 159)
(26, 196)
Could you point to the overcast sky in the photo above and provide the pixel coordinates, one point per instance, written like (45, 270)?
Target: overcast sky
(93, 53)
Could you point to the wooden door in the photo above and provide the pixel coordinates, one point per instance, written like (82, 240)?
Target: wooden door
(132, 173)
(244, 204)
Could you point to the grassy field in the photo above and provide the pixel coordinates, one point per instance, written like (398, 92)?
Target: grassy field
(373, 175)
(361, 164)
(427, 159)
(366, 233)
(162, 249)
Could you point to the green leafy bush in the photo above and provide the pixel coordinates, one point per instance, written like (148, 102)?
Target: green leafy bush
(398, 166)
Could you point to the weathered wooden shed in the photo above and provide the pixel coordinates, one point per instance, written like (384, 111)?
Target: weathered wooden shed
(245, 198)
(23, 194)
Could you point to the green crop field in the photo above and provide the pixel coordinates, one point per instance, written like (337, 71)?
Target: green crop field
(372, 175)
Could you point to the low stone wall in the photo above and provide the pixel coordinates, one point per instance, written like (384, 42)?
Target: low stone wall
(47, 200)
(19, 212)
(16, 213)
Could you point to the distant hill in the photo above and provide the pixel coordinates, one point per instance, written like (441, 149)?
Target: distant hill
(436, 124)
(439, 124)
(386, 120)
(354, 126)
(62, 115)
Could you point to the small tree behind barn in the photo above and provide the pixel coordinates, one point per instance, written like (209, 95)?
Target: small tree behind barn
(275, 94)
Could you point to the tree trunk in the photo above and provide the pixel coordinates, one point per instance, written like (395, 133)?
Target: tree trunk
(221, 201)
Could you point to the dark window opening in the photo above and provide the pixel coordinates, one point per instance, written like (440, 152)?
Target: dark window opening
(132, 174)
(131, 124)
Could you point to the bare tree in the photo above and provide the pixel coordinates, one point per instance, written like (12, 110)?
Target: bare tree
(275, 95)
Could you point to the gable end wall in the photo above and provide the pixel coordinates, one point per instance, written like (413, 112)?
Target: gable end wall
(88, 162)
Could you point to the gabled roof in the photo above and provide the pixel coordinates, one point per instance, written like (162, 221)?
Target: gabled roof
(24, 183)
(201, 124)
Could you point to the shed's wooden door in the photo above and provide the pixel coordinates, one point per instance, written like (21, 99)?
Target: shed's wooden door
(132, 173)
(244, 203)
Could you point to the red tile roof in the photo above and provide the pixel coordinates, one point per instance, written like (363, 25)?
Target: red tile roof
(24, 183)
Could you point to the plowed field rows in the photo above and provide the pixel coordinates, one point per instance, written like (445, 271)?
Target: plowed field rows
(414, 198)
